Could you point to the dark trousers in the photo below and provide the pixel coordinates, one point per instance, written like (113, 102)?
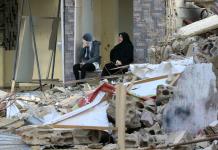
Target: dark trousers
(107, 70)
(86, 67)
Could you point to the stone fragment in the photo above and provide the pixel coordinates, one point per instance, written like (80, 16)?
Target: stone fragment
(150, 105)
(164, 93)
(147, 118)
(167, 52)
(154, 130)
(110, 147)
(147, 140)
(213, 146)
(160, 138)
(202, 144)
(81, 137)
(133, 112)
(180, 137)
(95, 146)
(132, 140)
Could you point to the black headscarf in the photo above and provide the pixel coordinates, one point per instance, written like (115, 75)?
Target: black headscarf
(123, 51)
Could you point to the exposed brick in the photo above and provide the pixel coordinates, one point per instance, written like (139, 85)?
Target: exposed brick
(149, 25)
(69, 39)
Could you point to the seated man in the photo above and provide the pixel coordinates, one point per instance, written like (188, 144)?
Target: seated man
(88, 58)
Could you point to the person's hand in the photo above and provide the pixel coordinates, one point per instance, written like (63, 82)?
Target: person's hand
(118, 63)
(81, 64)
(85, 43)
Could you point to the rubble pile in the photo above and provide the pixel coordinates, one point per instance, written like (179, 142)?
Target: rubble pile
(54, 118)
(203, 49)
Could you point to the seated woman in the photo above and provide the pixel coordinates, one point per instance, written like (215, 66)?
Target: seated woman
(120, 55)
(88, 58)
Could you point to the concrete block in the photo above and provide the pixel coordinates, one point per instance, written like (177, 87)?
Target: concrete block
(147, 118)
(132, 140)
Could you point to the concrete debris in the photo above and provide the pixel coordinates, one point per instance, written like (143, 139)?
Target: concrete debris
(213, 146)
(110, 147)
(190, 96)
(154, 130)
(133, 111)
(167, 67)
(164, 93)
(199, 27)
(11, 124)
(46, 135)
(12, 142)
(147, 118)
(212, 129)
(132, 140)
(202, 145)
(34, 135)
(82, 137)
(95, 146)
(157, 112)
(180, 137)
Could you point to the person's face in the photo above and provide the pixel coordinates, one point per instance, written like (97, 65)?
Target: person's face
(85, 43)
(120, 39)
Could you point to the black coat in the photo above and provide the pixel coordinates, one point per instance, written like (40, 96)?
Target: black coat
(122, 52)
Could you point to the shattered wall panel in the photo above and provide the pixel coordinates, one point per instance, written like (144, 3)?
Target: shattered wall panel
(149, 25)
(69, 8)
(195, 91)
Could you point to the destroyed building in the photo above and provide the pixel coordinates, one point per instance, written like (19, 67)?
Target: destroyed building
(168, 99)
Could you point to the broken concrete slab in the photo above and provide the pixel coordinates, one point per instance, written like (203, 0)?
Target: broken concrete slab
(199, 27)
(35, 135)
(190, 96)
(180, 137)
(133, 111)
(213, 146)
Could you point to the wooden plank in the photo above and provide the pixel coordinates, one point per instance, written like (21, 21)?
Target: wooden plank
(121, 67)
(175, 79)
(13, 86)
(152, 79)
(94, 79)
(120, 115)
(83, 127)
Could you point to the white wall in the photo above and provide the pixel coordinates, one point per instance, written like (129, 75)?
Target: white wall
(87, 16)
(43, 26)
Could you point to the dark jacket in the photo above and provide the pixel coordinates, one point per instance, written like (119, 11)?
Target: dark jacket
(94, 53)
(123, 51)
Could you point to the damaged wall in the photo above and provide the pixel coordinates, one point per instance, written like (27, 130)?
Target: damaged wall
(148, 26)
